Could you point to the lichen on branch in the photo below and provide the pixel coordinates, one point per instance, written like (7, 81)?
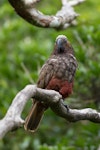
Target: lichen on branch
(53, 99)
(64, 17)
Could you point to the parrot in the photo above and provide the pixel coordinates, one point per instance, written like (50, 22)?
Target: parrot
(57, 74)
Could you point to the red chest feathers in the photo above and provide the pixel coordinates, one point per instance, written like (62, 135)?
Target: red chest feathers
(63, 87)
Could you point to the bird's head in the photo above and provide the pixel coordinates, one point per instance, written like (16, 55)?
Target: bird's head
(62, 45)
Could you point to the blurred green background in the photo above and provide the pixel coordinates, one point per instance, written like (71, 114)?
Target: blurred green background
(23, 46)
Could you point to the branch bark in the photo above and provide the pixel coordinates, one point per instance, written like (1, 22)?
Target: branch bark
(61, 20)
(13, 118)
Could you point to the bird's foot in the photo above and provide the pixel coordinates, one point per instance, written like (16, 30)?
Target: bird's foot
(65, 105)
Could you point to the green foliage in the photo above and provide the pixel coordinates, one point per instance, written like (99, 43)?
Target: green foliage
(23, 46)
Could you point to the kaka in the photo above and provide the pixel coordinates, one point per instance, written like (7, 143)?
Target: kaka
(56, 74)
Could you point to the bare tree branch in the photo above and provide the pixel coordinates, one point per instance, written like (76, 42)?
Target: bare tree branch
(61, 20)
(13, 118)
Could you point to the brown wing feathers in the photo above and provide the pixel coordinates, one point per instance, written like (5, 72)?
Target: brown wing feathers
(57, 74)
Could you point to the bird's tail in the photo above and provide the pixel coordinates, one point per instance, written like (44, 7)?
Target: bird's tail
(34, 117)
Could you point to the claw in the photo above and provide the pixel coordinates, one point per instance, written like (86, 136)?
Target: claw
(62, 101)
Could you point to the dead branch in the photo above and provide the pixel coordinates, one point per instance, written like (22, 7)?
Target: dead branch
(13, 118)
(61, 20)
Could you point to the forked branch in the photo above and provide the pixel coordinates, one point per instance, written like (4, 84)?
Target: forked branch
(13, 118)
(64, 18)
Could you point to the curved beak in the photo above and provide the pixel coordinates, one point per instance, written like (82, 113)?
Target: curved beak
(60, 44)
